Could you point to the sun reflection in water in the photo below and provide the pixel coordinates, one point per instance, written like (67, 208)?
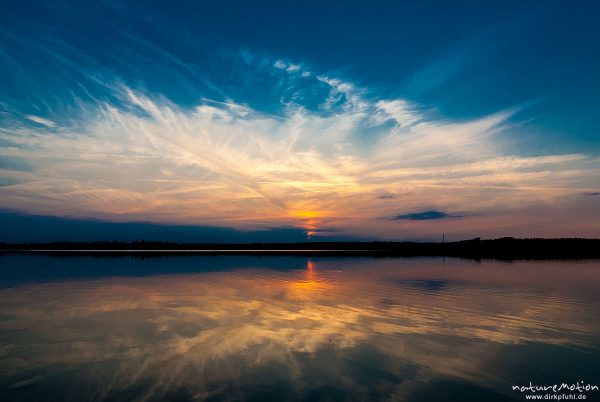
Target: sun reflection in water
(309, 327)
(310, 281)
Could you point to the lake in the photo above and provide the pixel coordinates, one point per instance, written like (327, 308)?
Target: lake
(297, 328)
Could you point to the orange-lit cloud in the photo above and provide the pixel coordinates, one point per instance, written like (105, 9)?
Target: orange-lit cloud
(228, 165)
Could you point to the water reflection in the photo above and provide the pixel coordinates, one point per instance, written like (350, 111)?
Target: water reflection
(316, 329)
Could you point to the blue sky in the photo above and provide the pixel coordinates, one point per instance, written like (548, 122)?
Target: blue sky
(203, 96)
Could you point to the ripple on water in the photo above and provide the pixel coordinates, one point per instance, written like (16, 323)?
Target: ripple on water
(369, 328)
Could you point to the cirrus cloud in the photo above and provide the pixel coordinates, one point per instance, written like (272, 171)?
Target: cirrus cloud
(325, 168)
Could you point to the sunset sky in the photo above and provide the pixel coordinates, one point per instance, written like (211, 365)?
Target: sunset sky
(282, 121)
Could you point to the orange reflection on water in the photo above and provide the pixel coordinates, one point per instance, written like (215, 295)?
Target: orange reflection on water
(416, 318)
(310, 282)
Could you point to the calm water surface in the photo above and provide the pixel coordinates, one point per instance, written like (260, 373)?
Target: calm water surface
(214, 328)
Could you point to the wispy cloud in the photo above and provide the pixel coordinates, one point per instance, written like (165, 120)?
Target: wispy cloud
(227, 164)
(40, 120)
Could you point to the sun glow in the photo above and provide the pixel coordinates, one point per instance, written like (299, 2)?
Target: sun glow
(228, 166)
(306, 214)
(310, 221)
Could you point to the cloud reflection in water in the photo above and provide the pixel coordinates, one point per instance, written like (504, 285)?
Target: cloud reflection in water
(336, 329)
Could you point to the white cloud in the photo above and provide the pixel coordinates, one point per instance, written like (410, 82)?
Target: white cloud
(400, 110)
(40, 120)
(226, 164)
(289, 67)
(280, 64)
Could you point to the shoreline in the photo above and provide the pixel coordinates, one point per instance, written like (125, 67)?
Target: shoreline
(502, 249)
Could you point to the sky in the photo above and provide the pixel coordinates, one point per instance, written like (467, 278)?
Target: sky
(287, 121)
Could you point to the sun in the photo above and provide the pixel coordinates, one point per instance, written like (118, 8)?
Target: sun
(310, 221)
